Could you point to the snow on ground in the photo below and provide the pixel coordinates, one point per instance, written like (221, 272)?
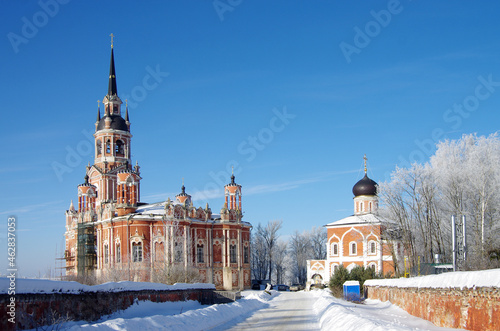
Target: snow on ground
(183, 315)
(459, 279)
(337, 314)
(56, 286)
(332, 314)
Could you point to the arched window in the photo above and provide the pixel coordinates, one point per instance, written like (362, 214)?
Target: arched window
(118, 254)
(106, 254)
(137, 252)
(99, 147)
(119, 147)
(353, 248)
(199, 254)
(246, 255)
(108, 147)
(335, 249)
(159, 252)
(361, 206)
(372, 247)
(178, 252)
(232, 254)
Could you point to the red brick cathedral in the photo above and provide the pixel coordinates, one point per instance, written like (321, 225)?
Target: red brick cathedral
(112, 236)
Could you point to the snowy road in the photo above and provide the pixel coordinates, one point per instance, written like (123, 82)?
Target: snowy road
(288, 311)
(316, 310)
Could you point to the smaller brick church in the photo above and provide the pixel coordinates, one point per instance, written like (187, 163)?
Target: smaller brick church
(360, 239)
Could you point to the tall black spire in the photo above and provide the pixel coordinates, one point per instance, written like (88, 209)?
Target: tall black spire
(112, 77)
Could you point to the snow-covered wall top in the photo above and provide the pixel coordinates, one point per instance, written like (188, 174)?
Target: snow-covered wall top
(54, 286)
(459, 279)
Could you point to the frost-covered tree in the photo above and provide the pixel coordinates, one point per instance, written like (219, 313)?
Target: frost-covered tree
(318, 242)
(469, 173)
(462, 178)
(280, 261)
(265, 240)
(258, 261)
(410, 200)
(300, 250)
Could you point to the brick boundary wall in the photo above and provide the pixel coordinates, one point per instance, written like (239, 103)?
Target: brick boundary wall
(467, 308)
(38, 309)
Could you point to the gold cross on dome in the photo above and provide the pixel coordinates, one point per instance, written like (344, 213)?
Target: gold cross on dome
(365, 159)
(111, 35)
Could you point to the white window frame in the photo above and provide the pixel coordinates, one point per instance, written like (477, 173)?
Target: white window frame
(370, 243)
(118, 253)
(106, 253)
(233, 258)
(355, 246)
(200, 253)
(137, 248)
(332, 250)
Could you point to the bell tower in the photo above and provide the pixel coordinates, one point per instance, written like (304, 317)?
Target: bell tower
(232, 205)
(112, 150)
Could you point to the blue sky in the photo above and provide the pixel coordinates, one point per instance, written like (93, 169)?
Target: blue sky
(293, 93)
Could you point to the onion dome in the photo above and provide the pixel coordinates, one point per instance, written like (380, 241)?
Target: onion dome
(365, 186)
(233, 183)
(183, 193)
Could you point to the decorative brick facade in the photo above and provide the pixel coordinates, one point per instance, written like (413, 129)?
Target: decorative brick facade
(358, 240)
(114, 236)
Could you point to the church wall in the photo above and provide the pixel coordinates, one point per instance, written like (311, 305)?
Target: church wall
(362, 235)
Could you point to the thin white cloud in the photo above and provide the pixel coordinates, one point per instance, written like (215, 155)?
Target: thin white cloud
(204, 195)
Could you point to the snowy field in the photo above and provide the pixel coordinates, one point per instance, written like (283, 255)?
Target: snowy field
(262, 311)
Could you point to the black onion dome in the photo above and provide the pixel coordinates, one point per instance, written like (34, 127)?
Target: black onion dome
(117, 123)
(365, 186)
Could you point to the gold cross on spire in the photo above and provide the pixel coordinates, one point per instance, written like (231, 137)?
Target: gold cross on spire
(232, 169)
(98, 103)
(111, 35)
(365, 159)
